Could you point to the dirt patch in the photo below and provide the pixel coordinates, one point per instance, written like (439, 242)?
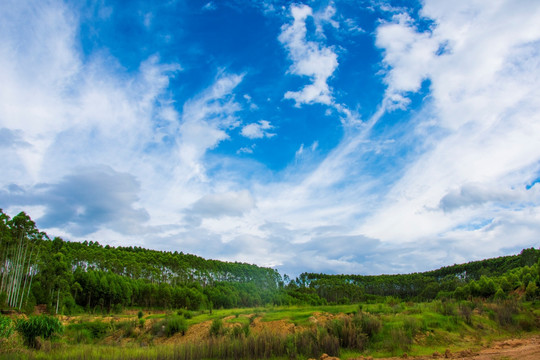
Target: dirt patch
(194, 334)
(279, 327)
(513, 349)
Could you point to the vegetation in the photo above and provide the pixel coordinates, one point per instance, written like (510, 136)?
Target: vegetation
(43, 326)
(72, 278)
(169, 293)
(6, 327)
(381, 329)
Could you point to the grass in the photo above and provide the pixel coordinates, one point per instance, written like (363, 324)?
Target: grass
(386, 329)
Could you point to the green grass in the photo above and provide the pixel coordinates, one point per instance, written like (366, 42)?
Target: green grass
(413, 328)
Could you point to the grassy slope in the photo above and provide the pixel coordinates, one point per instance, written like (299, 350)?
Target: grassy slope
(415, 328)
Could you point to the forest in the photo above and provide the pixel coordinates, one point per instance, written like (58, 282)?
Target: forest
(72, 277)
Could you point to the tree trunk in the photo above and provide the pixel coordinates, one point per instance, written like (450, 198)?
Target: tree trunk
(57, 300)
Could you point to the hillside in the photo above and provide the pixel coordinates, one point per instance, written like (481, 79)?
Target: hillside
(71, 277)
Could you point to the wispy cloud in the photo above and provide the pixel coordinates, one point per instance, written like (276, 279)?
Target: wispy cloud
(481, 115)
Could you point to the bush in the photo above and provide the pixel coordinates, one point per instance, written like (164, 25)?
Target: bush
(504, 312)
(465, 311)
(216, 328)
(170, 326)
(140, 314)
(185, 313)
(240, 331)
(397, 339)
(90, 330)
(175, 325)
(370, 324)
(349, 333)
(43, 326)
(445, 307)
(158, 328)
(411, 326)
(128, 327)
(6, 327)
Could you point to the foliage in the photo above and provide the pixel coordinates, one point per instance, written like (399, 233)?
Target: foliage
(93, 330)
(175, 324)
(216, 328)
(71, 277)
(170, 326)
(43, 326)
(6, 326)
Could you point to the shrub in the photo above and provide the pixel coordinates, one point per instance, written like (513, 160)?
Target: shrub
(43, 326)
(526, 323)
(216, 328)
(349, 333)
(6, 327)
(175, 324)
(239, 331)
(140, 314)
(128, 327)
(465, 311)
(158, 328)
(397, 339)
(90, 330)
(170, 326)
(185, 313)
(117, 308)
(445, 307)
(504, 312)
(370, 324)
(411, 326)
(82, 336)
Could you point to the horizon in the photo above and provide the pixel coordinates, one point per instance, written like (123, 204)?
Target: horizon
(334, 137)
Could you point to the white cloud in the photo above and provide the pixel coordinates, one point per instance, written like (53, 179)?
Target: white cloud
(205, 121)
(408, 55)
(309, 59)
(60, 112)
(483, 120)
(246, 149)
(257, 130)
(224, 204)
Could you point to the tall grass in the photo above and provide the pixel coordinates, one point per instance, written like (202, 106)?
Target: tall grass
(375, 329)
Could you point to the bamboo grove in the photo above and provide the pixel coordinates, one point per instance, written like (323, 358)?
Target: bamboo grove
(71, 277)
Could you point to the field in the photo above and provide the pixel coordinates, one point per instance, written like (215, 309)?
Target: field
(459, 329)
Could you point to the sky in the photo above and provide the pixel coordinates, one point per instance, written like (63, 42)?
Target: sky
(355, 137)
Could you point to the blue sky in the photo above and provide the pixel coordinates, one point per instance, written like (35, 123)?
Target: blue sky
(328, 136)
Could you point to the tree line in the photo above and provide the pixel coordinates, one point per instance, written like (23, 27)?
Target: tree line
(503, 275)
(72, 277)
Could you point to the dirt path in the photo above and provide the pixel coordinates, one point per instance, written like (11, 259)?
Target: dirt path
(513, 349)
(522, 349)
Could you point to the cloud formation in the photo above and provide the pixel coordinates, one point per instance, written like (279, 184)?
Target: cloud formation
(258, 130)
(309, 58)
(128, 141)
(83, 202)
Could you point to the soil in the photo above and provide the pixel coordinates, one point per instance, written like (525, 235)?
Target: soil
(513, 349)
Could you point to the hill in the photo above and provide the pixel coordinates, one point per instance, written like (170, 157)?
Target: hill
(71, 277)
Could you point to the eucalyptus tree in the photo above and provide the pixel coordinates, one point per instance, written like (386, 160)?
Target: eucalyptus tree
(19, 245)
